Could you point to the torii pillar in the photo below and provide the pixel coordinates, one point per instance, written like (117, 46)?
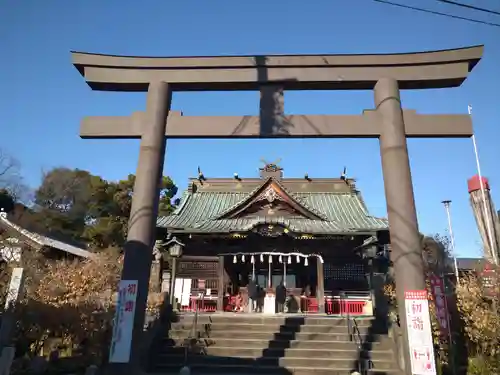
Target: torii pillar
(406, 241)
(385, 74)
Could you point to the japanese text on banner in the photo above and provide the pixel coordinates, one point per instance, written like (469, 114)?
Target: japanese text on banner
(419, 333)
(438, 294)
(124, 322)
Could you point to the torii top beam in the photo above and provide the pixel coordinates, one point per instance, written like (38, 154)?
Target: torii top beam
(422, 70)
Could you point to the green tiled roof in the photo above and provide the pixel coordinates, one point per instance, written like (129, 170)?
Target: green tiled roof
(267, 182)
(341, 213)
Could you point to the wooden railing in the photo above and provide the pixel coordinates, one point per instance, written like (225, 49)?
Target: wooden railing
(348, 304)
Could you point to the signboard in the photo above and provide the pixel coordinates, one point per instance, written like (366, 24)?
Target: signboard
(420, 342)
(15, 287)
(124, 322)
(437, 289)
(489, 281)
(165, 281)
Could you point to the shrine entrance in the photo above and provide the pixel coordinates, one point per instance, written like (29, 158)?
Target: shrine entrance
(297, 272)
(385, 74)
(268, 271)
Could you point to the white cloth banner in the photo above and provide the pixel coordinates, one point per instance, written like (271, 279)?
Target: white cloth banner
(182, 291)
(269, 304)
(124, 322)
(418, 321)
(186, 292)
(16, 287)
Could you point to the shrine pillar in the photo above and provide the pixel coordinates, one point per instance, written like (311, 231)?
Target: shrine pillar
(272, 110)
(405, 237)
(320, 289)
(143, 215)
(220, 284)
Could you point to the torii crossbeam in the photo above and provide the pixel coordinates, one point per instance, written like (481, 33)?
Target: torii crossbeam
(385, 74)
(366, 125)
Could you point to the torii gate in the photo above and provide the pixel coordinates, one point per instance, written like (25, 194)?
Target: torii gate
(385, 74)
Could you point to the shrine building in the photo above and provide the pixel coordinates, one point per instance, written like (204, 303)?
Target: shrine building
(314, 235)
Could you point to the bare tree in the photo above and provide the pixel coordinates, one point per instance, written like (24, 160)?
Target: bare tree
(9, 169)
(11, 179)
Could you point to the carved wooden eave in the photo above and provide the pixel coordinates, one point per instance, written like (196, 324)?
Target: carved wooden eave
(270, 191)
(173, 241)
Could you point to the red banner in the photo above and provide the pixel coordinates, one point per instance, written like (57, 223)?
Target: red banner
(439, 297)
(489, 279)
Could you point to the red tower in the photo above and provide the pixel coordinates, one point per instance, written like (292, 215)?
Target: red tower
(485, 215)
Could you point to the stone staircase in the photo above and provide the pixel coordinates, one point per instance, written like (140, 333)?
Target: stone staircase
(256, 344)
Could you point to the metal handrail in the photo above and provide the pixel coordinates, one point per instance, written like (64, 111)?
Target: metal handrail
(368, 364)
(355, 336)
(193, 331)
(342, 297)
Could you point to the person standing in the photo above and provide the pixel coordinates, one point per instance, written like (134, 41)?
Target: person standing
(252, 295)
(238, 303)
(281, 297)
(304, 299)
(261, 294)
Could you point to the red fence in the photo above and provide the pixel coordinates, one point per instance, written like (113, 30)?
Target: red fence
(345, 307)
(333, 306)
(206, 304)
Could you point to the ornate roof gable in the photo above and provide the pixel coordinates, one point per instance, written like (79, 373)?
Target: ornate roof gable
(271, 192)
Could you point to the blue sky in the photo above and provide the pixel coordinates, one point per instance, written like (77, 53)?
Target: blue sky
(43, 98)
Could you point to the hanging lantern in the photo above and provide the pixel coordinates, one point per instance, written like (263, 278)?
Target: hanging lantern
(243, 258)
(262, 258)
(252, 259)
(289, 260)
(235, 260)
(281, 259)
(298, 259)
(306, 263)
(270, 258)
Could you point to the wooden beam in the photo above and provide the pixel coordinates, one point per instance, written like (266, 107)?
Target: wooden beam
(421, 70)
(290, 78)
(117, 127)
(86, 59)
(365, 125)
(437, 126)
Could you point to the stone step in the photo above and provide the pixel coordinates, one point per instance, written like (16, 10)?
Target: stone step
(321, 336)
(335, 362)
(196, 370)
(275, 320)
(231, 370)
(384, 344)
(273, 328)
(247, 369)
(325, 352)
